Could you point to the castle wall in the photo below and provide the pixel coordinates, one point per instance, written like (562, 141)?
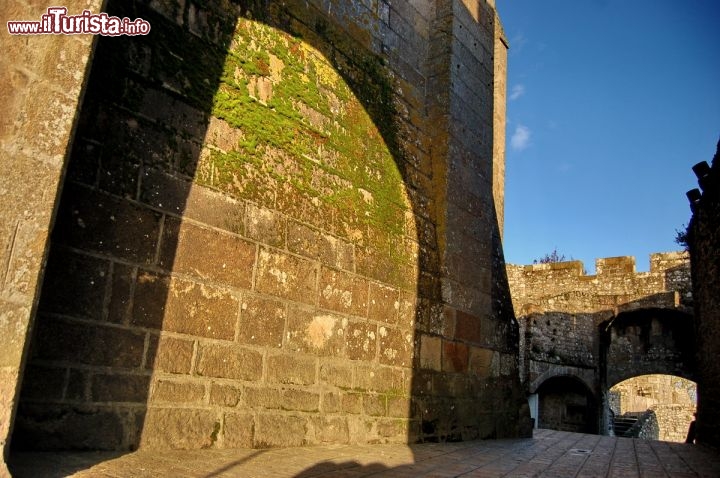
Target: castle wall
(704, 242)
(603, 328)
(255, 244)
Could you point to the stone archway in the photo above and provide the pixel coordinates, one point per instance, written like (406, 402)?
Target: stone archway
(644, 341)
(665, 402)
(647, 341)
(566, 403)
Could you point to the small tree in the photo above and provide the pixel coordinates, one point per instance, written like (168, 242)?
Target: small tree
(550, 258)
(681, 237)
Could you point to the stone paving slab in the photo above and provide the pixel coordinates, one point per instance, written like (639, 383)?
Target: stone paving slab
(548, 454)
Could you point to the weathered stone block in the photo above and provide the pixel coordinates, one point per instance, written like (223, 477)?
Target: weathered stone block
(238, 430)
(286, 276)
(395, 346)
(60, 340)
(43, 382)
(256, 397)
(177, 392)
(331, 430)
(179, 428)
(262, 322)
(455, 357)
(178, 305)
(480, 361)
(303, 240)
(163, 191)
(361, 340)
(319, 333)
(343, 292)
(120, 304)
(467, 327)
(207, 254)
(375, 405)
(13, 326)
(352, 403)
(291, 369)
(382, 379)
(336, 374)
(77, 386)
(430, 352)
(331, 403)
(63, 427)
(120, 388)
(407, 313)
(75, 285)
(222, 135)
(96, 222)
(229, 361)
(384, 303)
(395, 429)
(173, 355)
(336, 253)
(301, 401)
(264, 225)
(279, 431)
(215, 209)
(224, 395)
(398, 406)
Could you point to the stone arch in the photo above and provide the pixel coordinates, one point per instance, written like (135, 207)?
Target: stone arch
(587, 377)
(566, 402)
(647, 341)
(667, 400)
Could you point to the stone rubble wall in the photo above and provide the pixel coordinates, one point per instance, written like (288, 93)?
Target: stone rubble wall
(256, 245)
(561, 311)
(704, 241)
(559, 307)
(616, 284)
(672, 399)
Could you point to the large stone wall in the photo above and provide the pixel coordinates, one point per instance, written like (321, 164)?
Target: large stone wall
(35, 131)
(604, 328)
(704, 242)
(256, 244)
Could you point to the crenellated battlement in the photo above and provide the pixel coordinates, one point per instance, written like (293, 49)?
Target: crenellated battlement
(659, 262)
(539, 287)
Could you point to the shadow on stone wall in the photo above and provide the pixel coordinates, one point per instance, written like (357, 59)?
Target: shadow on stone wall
(130, 216)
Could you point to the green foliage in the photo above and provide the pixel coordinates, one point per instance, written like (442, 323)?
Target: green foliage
(681, 237)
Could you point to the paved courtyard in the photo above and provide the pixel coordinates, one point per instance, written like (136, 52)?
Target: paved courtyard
(548, 454)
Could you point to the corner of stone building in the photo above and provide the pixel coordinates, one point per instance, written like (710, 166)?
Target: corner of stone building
(35, 136)
(704, 247)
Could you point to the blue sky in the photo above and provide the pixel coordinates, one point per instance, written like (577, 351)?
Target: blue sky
(610, 103)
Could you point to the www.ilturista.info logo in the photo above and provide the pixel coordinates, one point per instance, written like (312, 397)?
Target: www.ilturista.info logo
(57, 22)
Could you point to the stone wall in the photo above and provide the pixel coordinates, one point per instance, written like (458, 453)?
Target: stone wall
(672, 399)
(601, 329)
(559, 307)
(34, 134)
(255, 245)
(704, 241)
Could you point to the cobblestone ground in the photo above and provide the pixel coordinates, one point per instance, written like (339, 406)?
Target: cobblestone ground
(548, 454)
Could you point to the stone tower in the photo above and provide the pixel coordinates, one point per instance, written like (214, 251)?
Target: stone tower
(258, 217)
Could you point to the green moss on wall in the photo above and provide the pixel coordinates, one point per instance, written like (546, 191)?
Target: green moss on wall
(309, 128)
